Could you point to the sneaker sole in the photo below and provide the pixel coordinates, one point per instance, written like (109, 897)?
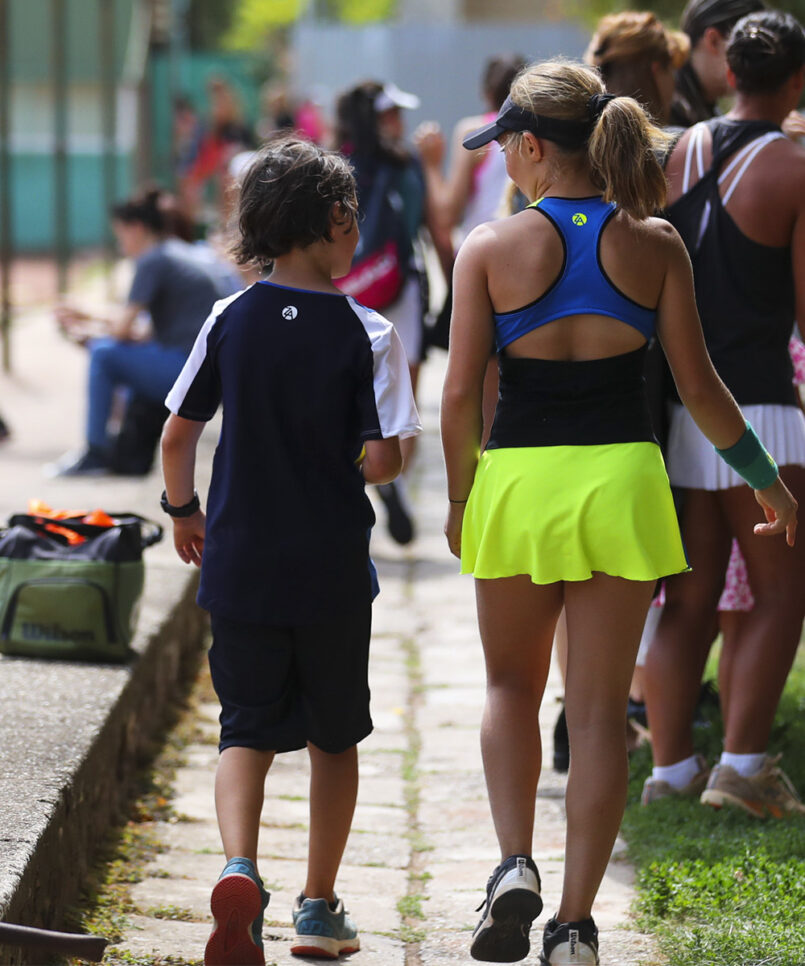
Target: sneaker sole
(323, 947)
(235, 904)
(718, 799)
(502, 937)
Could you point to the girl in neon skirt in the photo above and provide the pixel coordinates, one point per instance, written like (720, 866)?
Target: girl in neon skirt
(570, 504)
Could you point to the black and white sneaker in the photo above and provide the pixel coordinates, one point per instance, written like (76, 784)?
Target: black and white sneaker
(512, 903)
(569, 943)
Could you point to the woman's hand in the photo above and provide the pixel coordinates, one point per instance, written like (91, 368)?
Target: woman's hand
(429, 142)
(780, 508)
(452, 527)
(794, 125)
(188, 537)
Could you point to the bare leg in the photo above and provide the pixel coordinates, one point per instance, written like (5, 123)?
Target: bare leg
(760, 654)
(517, 620)
(239, 792)
(729, 622)
(560, 645)
(605, 617)
(333, 793)
(636, 688)
(676, 658)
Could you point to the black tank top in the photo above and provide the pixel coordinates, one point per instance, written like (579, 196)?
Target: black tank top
(744, 290)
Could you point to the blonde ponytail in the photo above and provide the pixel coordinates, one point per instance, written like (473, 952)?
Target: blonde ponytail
(623, 151)
(623, 148)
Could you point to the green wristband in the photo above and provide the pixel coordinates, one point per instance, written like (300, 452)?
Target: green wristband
(750, 460)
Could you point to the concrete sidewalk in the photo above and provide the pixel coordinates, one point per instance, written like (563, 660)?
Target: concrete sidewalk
(422, 844)
(72, 734)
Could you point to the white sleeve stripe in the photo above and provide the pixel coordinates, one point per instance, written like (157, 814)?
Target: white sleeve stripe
(198, 354)
(394, 398)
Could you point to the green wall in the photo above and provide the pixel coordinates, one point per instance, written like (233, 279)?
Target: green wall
(32, 174)
(32, 208)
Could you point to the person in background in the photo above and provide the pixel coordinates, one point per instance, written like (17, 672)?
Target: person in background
(176, 284)
(702, 81)
(277, 110)
(637, 56)
(187, 135)
(470, 193)
(225, 134)
(737, 198)
(369, 131)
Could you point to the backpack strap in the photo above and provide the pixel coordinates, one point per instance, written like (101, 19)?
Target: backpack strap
(377, 195)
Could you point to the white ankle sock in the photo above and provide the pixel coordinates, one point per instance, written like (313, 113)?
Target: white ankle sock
(679, 774)
(746, 765)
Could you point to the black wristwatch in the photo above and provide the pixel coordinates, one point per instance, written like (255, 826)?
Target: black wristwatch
(180, 511)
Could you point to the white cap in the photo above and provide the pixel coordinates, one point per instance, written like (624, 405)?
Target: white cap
(391, 96)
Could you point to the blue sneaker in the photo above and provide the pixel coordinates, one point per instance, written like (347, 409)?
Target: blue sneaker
(238, 902)
(321, 930)
(512, 903)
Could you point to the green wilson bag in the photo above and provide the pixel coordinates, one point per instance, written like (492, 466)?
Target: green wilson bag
(76, 601)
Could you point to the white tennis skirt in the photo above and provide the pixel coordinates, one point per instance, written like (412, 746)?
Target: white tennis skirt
(693, 463)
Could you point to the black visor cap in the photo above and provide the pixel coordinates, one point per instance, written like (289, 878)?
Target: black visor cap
(511, 117)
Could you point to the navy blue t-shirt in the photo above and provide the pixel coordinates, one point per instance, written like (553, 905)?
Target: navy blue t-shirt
(304, 378)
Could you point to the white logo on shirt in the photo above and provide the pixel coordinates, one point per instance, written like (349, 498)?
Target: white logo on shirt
(290, 312)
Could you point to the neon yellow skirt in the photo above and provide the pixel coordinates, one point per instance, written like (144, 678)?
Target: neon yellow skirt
(566, 512)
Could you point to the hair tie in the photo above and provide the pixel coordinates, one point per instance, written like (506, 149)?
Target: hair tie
(597, 103)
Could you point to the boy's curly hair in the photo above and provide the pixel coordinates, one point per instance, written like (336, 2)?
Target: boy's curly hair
(288, 197)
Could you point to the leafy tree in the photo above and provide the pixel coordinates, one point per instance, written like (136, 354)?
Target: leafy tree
(253, 21)
(590, 11)
(206, 22)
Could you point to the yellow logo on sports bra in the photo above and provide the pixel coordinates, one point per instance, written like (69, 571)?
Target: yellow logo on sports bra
(579, 219)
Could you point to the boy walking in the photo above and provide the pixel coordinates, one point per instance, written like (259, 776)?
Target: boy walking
(316, 398)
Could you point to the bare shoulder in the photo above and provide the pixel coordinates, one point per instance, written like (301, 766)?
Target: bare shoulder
(784, 166)
(476, 246)
(655, 235)
(494, 241)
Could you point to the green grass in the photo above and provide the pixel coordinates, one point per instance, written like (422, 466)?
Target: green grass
(176, 913)
(723, 888)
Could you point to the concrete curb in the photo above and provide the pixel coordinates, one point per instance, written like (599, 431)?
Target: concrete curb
(85, 730)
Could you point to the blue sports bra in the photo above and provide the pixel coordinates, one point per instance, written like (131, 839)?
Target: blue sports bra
(582, 287)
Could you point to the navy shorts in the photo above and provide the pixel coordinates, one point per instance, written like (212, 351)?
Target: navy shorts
(282, 687)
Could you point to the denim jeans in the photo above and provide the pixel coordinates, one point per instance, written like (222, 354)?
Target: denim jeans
(146, 368)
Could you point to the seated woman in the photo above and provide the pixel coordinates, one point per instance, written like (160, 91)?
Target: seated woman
(176, 283)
